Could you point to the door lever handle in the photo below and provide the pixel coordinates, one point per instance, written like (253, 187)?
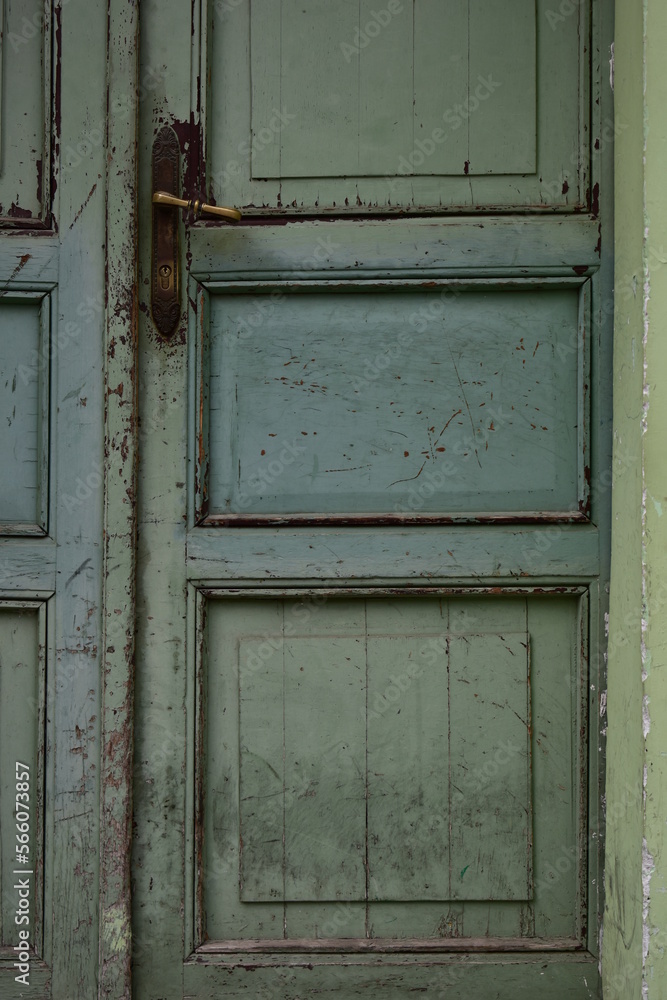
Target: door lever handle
(165, 281)
(196, 206)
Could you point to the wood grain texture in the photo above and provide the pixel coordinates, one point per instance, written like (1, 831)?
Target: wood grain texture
(120, 489)
(413, 804)
(27, 113)
(187, 879)
(523, 978)
(24, 409)
(350, 108)
(73, 728)
(396, 402)
(22, 681)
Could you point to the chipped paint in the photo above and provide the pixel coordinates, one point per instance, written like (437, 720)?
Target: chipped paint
(648, 868)
(121, 428)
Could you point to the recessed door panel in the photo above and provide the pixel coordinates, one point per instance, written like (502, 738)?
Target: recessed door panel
(463, 402)
(391, 773)
(350, 106)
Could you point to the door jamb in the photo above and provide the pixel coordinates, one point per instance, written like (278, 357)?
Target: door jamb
(120, 475)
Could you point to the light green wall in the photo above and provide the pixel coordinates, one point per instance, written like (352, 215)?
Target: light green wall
(635, 926)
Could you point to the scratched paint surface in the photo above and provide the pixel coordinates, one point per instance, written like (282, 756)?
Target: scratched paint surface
(195, 935)
(364, 784)
(395, 402)
(342, 107)
(25, 60)
(21, 412)
(20, 684)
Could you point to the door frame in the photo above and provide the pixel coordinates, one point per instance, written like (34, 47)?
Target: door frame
(121, 439)
(621, 958)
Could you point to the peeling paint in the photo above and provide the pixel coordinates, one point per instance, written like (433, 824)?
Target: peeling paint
(648, 867)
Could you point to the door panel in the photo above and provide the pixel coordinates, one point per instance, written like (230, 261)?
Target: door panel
(347, 764)
(332, 403)
(52, 273)
(344, 107)
(372, 550)
(25, 405)
(26, 119)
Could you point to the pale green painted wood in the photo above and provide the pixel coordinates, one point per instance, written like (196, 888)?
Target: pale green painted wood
(400, 840)
(627, 754)
(307, 115)
(2, 20)
(28, 566)
(24, 408)
(410, 403)
(401, 248)
(119, 596)
(21, 680)
(502, 125)
(408, 724)
(325, 763)
(490, 780)
(548, 977)
(565, 553)
(26, 81)
(441, 74)
(310, 556)
(234, 868)
(385, 96)
(636, 873)
(60, 278)
(261, 777)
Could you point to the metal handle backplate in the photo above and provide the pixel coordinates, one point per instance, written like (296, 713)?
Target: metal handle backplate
(165, 283)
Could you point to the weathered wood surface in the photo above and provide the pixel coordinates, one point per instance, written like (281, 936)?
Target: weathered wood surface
(25, 325)
(461, 554)
(396, 403)
(25, 125)
(120, 499)
(22, 666)
(187, 848)
(411, 106)
(52, 301)
(498, 976)
(438, 723)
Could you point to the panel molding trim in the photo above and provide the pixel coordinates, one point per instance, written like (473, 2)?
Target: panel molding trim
(421, 364)
(213, 860)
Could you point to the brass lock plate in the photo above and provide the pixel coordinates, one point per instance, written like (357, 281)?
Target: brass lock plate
(165, 284)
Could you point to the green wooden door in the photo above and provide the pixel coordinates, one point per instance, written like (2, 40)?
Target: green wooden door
(57, 288)
(373, 510)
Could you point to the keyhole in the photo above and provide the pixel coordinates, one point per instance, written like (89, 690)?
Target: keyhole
(165, 276)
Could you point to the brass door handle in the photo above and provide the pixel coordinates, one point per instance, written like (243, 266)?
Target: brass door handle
(165, 283)
(196, 206)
